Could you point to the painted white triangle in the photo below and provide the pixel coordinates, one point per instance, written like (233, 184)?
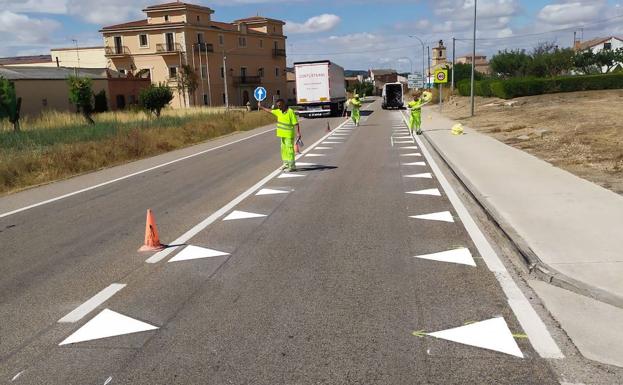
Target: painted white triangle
(242, 215)
(443, 216)
(107, 324)
(306, 164)
(492, 334)
(432, 191)
(409, 148)
(196, 252)
(426, 175)
(332, 142)
(403, 141)
(402, 137)
(315, 155)
(323, 148)
(461, 256)
(415, 164)
(268, 191)
(290, 175)
(412, 154)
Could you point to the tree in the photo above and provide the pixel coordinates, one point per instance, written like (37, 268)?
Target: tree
(362, 88)
(607, 59)
(463, 71)
(100, 102)
(549, 60)
(187, 81)
(510, 63)
(155, 97)
(10, 104)
(81, 95)
(586, 62)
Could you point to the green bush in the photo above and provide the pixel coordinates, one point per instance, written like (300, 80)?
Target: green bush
(516, 87)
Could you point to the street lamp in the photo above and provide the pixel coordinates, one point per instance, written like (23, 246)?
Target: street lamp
(409, 59)
(225, 75)
(473, 60)
(423, 55)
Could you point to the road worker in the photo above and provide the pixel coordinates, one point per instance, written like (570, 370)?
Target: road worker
(419, 100)
(286, 123)
(355, 105)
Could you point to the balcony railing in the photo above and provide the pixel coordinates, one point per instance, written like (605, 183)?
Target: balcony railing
(117, 51)
(204, 47)
(277, 52)
(169, 48)
(247, 80)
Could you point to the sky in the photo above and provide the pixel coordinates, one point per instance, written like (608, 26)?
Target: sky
(355, 34)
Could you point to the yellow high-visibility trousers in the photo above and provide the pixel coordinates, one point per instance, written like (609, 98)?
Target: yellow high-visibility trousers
(287, 152)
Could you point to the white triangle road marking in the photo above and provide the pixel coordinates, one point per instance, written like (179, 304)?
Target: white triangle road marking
(492, 334)
(323, 148)
(314, 155)
(426, 175)
(107, 324)
(443, 216)
(242, 215)
(268, 191)
(403, 141)
(461, 256)
(414, 164)
(290, 175)
(306, 164)
(195, 252)
(412, 154)
(332, 142)
(409, 148)
(432, 191)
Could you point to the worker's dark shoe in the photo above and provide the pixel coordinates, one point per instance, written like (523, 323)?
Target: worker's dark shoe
(419, 132)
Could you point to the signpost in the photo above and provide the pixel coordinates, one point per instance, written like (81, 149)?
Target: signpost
(260, 94)
(441, 77)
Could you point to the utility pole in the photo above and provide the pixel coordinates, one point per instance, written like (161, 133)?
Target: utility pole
(77, 56)
(453, 62)
(200, 73)
(208, 73)
(473, 60)
(428, 71)
(225, 77)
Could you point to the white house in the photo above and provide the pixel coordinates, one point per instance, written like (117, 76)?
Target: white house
(599, 44)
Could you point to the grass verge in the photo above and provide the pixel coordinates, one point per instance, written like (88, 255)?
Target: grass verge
(60, 146)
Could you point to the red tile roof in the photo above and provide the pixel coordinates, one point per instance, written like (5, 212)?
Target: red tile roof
(258, 19)
(130, 24)
(37, 59)
(176, 4)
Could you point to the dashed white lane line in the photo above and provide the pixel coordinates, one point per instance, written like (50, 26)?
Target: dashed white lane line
(461, 256)
(91, 304)
(531, 323)
(229, 206)
(17, 376)
(443, 216)
(107, 324)
(131, 175)
(236, 214)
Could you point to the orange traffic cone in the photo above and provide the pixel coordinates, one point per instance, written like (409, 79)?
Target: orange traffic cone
(328, 127)
(152, 240)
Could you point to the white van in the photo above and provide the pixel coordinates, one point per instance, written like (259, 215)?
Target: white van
(392, 96)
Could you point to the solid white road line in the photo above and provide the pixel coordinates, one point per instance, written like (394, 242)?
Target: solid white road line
(131, 175)
(530, 321)
(92, 303)
(159, 256)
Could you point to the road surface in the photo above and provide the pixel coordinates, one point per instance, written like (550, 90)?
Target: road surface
(360, 268)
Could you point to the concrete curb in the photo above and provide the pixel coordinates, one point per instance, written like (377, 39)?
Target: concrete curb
(535, 265)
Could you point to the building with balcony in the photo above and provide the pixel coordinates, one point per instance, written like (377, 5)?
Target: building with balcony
(240, 55)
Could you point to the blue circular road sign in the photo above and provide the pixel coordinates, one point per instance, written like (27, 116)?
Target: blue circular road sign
(260, 94)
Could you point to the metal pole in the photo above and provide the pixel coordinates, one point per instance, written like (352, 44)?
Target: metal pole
(440, 97)
(453, 62)
(473, 60)
(208, 73)
(200, 73)
(428, 76)
(225, 77)
(78, 57)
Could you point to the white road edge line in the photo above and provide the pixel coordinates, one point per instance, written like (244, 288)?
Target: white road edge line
(159, 256)
(530, 321)
(58, 198)
(91, 304)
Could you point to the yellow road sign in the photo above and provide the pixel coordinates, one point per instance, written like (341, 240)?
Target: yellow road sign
(441, 76)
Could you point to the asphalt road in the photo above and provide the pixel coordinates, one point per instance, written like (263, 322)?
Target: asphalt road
(323, 289)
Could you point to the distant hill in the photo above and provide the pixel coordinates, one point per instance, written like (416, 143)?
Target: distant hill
(352, 73)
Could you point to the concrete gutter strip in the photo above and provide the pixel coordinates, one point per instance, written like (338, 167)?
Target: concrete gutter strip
(539, 252)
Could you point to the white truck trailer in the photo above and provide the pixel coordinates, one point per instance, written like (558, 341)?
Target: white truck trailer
(320, 88)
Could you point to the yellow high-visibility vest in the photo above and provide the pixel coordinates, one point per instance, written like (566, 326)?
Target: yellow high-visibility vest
(286, 121)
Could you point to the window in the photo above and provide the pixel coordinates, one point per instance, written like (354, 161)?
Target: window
(293, 91)
(261, 43)
(44, 102)
(260, 72)
(122, 71)
(221, 40)
(205, 99)
(222, 72)
(607, 45)
(242, 41)
(277, 72)
(198, 18)
(278, 93)
(440, 53)
(143, 41)
(204, 71)
(199, 37)
(224, 98)
(172, 72)
(166, 17)
(276, 45)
